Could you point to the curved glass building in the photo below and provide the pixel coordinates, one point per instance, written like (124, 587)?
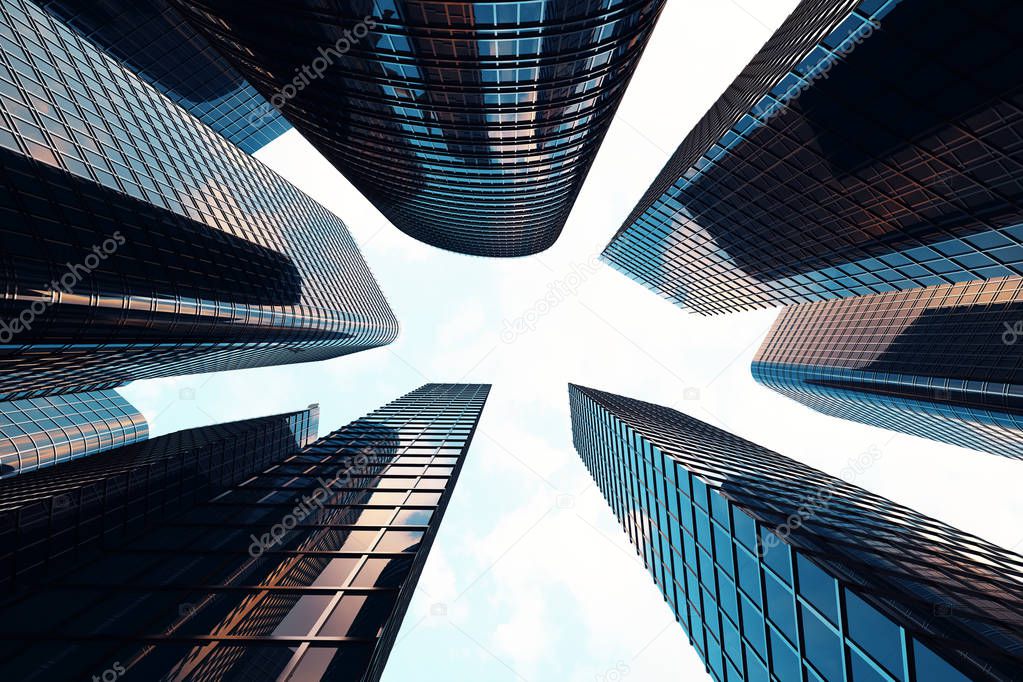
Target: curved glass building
(36, 433)
(138, 243)
(870, 146)
(470, 126)
(151, 40)
(777, 571)
(942, 363)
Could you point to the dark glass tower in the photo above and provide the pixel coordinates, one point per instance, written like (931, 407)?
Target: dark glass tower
(136, 243)
(52, 520)
(151, 39)
(942, 363)
(302, 572)
(870, 146)
(777, 571)
(39, 432)
(470, 126)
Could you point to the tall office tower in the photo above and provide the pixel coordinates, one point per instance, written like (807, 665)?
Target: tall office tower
(150, 38)
(138, 243)
(941, 363)
(302, 572)
(779, 571)
(54, 519)
(470, 126)
(39, 432)
(870, 146)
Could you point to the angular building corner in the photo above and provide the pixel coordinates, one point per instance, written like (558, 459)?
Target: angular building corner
(470, 126)
(870, 146)
(779, 571)
(942, 363)
(138, 243)
(301, 570)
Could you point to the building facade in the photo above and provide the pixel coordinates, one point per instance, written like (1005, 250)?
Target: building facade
(37, 433)
(137, 243)
(303, 571)
(870, 146)
(149, 38)
(942, 362)
(777, 571)
(54, 519)
(470, 126)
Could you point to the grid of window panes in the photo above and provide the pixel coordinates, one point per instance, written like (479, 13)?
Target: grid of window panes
(471, 126)
(153, 41)
(777, 571)
(139, 243)
(939, 363)
(856, 154)
(36, 433)
(67, 513)
(301, 572)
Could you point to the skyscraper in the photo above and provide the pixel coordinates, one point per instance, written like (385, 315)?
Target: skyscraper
(779, 571)
(870, 146)
(470, 126)
(138, 243)
(36, 433)
(941, 363)
(149, 38)
(51, 520)
(303, 571)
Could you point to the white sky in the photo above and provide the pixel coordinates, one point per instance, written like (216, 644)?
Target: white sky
(531, 578)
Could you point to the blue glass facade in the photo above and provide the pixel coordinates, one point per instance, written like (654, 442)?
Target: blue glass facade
(871, 146)
(138, 243)
(36, 433)
(941, 363)
(300, 572)
(55, 519)
(151, 39)
(779, 572)
(470, 126)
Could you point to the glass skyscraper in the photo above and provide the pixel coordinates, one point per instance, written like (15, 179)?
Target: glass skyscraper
(301, 572)
(777, 571)
(53, 519)
(870, 146)
(942, 362)
(139, 243)
(470, 126)
(149, 38)
(39, 432)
